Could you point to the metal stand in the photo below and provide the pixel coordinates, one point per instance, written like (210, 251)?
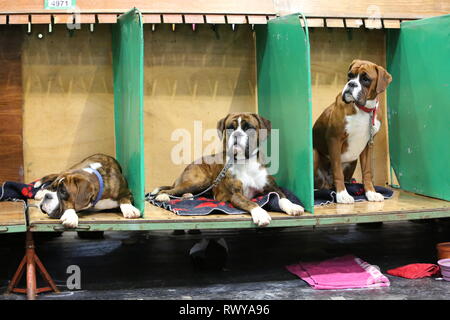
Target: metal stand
(31, 261)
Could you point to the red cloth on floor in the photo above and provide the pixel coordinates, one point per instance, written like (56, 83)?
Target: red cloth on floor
(415, 270)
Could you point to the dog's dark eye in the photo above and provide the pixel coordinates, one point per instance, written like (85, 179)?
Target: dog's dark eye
(63, 191)
(365, 79)
(350, 75)
(230, 127)
(249, 127)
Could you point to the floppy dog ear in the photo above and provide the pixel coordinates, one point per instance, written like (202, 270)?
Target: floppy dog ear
(84, 193)
(384, 78)
(264, 124)
(221, 126)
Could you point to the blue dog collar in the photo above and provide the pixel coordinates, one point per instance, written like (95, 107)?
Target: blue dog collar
(100, 181)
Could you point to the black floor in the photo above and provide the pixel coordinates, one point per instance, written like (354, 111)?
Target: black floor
(156, 265)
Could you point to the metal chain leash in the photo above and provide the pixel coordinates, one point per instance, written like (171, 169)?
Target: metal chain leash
(371, 128)
(216, 181)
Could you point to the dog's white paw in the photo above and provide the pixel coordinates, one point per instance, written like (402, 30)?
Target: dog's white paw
(188, 196)
(163, 197)
(344, 197)
(69, 219)
(374, 196)
(290, 208)
(129, 211)
(260, 216)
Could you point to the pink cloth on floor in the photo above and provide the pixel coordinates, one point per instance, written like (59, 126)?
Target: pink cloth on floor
(340, 273)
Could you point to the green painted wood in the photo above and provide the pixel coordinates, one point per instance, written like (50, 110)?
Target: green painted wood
(310, 220)
(128, 70)
(285, 98)
(418, 57)
(13, 228)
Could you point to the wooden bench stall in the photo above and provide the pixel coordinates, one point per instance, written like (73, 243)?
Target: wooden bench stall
(99, 78)
(403, 206)
(199, 63)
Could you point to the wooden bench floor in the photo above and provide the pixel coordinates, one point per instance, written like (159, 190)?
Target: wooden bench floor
(402, 206)
(12, 217)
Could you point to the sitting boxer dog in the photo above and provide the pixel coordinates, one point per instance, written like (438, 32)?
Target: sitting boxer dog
(245, 179)
(94, 184)
(345, 130)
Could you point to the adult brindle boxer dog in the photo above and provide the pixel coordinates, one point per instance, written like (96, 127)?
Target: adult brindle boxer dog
(344, 131)
(94, 184)
(246, 178)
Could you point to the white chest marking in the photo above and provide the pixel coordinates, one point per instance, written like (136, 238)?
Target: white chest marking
(106, 204)
(357, 128)
(252, 175)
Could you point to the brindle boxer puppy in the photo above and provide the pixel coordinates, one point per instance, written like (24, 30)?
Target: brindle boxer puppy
(245, 179)
(96, 183)
(342, 132)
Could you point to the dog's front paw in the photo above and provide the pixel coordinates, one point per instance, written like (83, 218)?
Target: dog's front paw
(260, 216)
(69, 219)
(374, 196)
(129, 211)
(162, 197)
(290, 208)
(344, 197)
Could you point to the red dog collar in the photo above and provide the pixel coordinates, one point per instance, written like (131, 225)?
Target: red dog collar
(369, 110)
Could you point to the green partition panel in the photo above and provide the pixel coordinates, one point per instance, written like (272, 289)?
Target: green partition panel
(418, 57)
(128, 69)
(284, 97)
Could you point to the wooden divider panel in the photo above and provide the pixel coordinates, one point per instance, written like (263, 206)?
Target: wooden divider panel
(128, 69)
(284, 97)
(419, 106)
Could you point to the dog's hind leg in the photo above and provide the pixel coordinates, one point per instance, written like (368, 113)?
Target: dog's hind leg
(159, 189)
(179, 190)
(285, 204)
(192, 180)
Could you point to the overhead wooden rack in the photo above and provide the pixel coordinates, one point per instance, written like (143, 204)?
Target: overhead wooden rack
(155, 12)
(369, 23)
(153, 18)
(171, 18)
(320, 14)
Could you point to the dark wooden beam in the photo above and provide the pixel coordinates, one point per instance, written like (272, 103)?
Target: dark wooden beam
(11, 102)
